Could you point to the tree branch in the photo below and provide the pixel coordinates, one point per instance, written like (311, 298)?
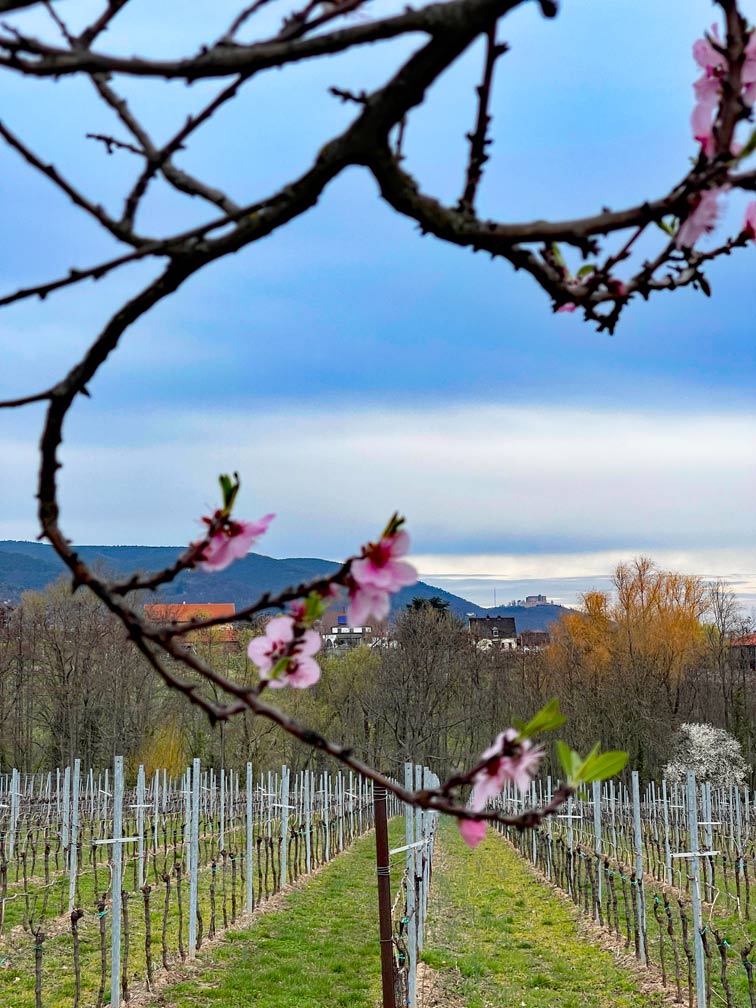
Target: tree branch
(222, 60)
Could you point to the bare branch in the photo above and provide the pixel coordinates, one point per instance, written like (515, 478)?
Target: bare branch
(33, 57)
(479, 139)
(8, 6)
(240, 20)
(101, 24)
(118, 231)
(159, 160)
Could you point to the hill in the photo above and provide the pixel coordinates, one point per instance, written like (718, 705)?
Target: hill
(31, 566)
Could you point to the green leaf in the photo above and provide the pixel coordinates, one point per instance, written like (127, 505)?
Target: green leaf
(281, 665)
(314, 608)
(556, 254)
(229, 490)
(749, 148)
(667, 227)
(570, 761)
(585, 270)
(547, 718)
(604, 765)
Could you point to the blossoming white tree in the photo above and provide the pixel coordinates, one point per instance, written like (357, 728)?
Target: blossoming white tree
(714, 756)
(588, 264)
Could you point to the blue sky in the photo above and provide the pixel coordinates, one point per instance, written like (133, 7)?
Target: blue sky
(347, 366)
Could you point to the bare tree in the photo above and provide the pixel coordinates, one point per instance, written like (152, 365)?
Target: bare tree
(574, 261)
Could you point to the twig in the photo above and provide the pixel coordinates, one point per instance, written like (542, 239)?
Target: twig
(479, 139)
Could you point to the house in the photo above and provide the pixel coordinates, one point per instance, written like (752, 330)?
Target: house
(743, 652)
(338, 635)
(493, 631)
(225, 637)
(533, 640)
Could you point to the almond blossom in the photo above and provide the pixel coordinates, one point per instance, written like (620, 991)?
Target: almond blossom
(708, 87)
(508, 759)
(749, 222)
(702, 219)
(377, 574)
(282, 646)
(472, 830)
(232, 541)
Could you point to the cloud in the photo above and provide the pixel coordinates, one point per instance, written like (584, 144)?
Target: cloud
(491, 579)
(482, 481)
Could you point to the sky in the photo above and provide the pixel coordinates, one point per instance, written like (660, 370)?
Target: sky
(347, 366)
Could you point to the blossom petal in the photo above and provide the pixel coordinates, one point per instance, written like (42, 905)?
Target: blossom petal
(472, 830)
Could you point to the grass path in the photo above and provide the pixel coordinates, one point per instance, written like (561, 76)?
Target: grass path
(497, 936)
(319, 950)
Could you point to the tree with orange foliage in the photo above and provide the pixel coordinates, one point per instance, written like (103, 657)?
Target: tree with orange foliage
(630, 664)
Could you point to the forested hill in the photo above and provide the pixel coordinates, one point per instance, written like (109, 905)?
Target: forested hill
(31, 566)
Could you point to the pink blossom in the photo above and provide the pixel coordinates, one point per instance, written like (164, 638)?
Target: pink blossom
(569, 307)
(281, 641)
(702, 219)
(367, 602)
(275, 644)
(708, 87)
(518, 765)
(376, 575)
(701, 125)
(708, 58)
(379, 568)
(297, 609)
(301, 672)
(749, 222)
(472, 830)
(748, 73)
(232, 542)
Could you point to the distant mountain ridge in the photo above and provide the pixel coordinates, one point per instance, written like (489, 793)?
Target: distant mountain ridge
(31, 566)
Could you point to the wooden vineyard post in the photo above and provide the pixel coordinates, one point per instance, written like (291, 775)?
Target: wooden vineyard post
(248, 863)
(409, 839)
(284, 824)
(695, 871)
(193, 853)
(73, 853)
(597, 848)
(384, 897)
(222, 826)
(638, 844)
(115, 896)
(140, 806)
(308, 820)
(667, 848)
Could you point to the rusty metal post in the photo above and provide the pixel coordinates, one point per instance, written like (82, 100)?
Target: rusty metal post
(384, 897)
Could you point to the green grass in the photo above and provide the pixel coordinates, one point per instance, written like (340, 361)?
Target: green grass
(497, 936)
(58, 986)
(320, 950)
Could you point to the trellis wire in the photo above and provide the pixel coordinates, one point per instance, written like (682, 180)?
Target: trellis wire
(84, 837)
(411, 901)
(679, 858)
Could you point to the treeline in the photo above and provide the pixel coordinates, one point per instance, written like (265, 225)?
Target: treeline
(628, 670)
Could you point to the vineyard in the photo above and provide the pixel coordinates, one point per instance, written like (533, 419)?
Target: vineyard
(104, 886)
(669, 871)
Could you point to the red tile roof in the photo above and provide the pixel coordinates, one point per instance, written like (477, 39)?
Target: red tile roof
(748, 641)
(183, 612)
